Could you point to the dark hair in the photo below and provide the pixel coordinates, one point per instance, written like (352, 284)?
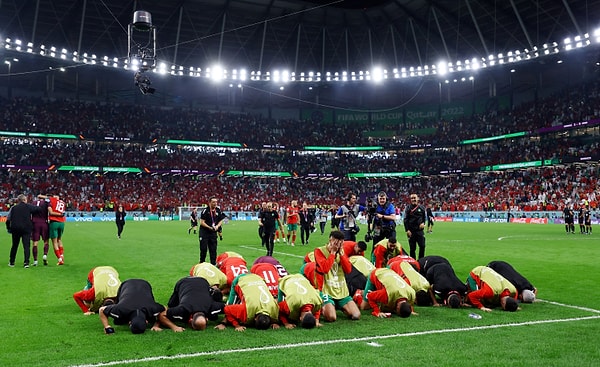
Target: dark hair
(216, 294)
(262, 321)
(362, 245)
(108, 301)
(453, 300)
(338, 235)
(423, 298)
(350, 195)
(511, 305)
(138, 322)
(309, 321)
(405, 310)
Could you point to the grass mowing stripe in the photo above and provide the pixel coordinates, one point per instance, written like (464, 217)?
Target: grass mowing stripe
(326, 342)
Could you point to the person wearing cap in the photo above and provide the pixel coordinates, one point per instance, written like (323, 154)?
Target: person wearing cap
(384, 219)
(446, 288)
(215, 277)
(486, 289)
(298, 302)
(102, 283)
(386, 288)
(384, 250)
(414, 224)
(193, 301)
(527, 292)
(250, 304)
(134, 305)
(331, 269)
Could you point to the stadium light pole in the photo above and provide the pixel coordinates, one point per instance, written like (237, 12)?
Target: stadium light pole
(9, 63)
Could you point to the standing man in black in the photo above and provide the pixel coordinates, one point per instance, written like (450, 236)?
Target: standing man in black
(307, 218)
(19, 224)
(193, 302)
(211, 221)
(120, 220)
(266, 221)
(569, 215)
(193, 221)
(414, 225)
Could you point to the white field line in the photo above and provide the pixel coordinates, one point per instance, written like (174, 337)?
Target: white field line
(337, 341)
(570, 306)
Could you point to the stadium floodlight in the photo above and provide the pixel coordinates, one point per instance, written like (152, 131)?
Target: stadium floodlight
(377, 74)
(442, 68)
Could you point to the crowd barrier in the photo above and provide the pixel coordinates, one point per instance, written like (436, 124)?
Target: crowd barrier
(539, 217)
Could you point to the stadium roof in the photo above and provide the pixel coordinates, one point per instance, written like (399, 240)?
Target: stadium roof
(303, 35)
(318, 35)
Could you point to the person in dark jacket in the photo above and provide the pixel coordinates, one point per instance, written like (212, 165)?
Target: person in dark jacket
(19, 224)
(120, 220)
(414, 224)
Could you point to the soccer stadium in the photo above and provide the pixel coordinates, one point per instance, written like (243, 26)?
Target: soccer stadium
(487, 110)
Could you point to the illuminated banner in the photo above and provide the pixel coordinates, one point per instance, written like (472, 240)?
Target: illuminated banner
(383, 174)
(491, 138)
(349, 149)
(259, 174)
(394, 117)
(499, 167)
(122, 169)
(205, 143)
(79, 168)
(56, 136)
(12, 133)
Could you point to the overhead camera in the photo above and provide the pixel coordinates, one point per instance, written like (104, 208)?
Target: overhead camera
(143, 82)
(142, 51)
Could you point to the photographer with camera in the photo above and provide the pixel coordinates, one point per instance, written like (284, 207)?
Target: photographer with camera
(384, 219)
(414, 225)
(347, 214)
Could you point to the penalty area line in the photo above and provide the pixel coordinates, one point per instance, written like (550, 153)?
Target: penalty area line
(328, 342)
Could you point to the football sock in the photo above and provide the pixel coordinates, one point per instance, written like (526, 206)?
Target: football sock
(57, 253)
(46, 248)
(34, 251)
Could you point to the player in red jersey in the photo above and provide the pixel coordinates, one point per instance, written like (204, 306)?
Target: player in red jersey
(293, 219)
(56, 227)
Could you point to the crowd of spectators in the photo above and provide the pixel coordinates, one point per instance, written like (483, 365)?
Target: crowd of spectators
(548, 188)
(95, 120)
